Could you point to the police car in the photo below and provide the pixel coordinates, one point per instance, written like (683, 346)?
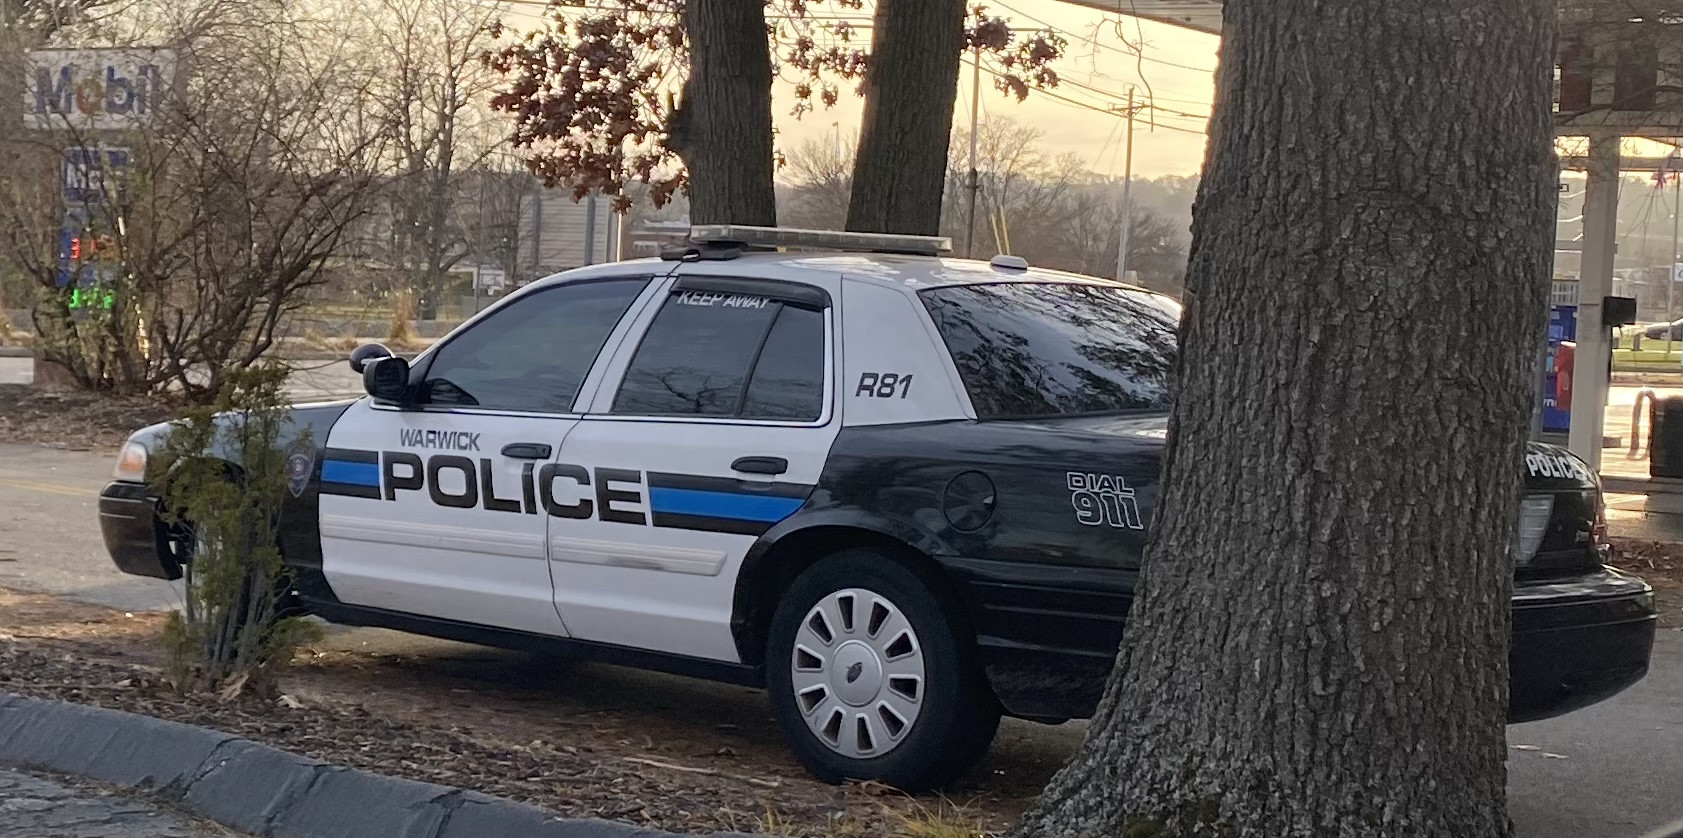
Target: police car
(905, 494)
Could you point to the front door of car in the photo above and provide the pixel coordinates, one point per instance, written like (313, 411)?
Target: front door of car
(706, 432)
(440, 508)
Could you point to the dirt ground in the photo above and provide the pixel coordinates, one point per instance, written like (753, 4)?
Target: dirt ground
(74, 420)
(1661, 563)
(579, 739)
(613, 746)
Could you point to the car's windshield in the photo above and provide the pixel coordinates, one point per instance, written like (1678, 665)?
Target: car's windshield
(1027, 349)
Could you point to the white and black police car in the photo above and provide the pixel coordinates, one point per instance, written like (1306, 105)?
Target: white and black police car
(906, 494)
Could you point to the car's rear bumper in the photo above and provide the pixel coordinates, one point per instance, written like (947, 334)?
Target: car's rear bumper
(1049, 635)
(1577, 641)
(134, 537)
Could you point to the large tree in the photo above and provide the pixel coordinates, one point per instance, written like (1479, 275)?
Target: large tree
(722, 125)
(594, 91)
(909, 90)
(1319, 642)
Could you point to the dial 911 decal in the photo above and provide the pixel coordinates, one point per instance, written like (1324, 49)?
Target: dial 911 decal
(1104, 499)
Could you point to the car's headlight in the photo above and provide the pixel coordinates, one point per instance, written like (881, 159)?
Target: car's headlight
(131, 463)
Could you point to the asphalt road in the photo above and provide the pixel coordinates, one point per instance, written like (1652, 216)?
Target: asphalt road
(1604, 772)
(37, 807)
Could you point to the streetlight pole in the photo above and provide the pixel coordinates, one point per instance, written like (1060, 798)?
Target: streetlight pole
(1127, 194)
(974, 183)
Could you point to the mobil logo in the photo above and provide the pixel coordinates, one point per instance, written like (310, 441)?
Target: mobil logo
(96, 89)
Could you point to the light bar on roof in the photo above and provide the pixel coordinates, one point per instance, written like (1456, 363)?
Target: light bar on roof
(798, 239)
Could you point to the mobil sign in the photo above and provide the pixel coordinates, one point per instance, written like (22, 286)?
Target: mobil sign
(96, 89)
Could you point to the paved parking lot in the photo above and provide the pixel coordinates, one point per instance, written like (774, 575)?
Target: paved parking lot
(35, 807)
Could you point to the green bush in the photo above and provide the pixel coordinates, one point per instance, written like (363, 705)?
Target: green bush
(223, 479)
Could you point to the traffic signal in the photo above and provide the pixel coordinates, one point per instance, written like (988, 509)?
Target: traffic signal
(75, 248)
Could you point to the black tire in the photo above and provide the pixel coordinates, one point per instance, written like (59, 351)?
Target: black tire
(184, 543)
(958, 714)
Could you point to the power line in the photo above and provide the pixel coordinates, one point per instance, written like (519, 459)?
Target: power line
(1100, 44)
(1107, 110)
(1152, 103)
(1196, 103)
(1085, 106)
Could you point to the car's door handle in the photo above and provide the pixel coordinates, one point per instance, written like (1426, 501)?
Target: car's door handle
(760, 465)
(527, 450)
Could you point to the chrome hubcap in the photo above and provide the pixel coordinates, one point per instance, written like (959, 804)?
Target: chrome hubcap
(858, 673)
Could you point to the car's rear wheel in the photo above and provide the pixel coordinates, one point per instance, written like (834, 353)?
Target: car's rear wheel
(871, 676)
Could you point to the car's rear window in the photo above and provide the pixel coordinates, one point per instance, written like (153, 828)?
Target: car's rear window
(1027, 349)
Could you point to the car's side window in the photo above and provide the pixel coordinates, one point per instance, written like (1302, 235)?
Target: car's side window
(727, 355)
(532, 354)
(788, 381)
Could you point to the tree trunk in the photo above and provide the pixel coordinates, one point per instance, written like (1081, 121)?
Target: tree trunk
(910, 86)
(722, 127)
(1319, 644)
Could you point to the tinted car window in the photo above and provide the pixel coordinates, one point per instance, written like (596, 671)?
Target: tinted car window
(788, 380)
(697, 355)
(1050, 349)
(533, 353)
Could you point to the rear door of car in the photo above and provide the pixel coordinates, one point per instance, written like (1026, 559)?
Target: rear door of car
(709, 428)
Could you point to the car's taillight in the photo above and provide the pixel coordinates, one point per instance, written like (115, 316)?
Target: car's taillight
(1598, 530)
(1534, 514)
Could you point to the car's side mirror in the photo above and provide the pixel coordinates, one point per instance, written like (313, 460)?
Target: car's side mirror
(387, 380)
(361, 355)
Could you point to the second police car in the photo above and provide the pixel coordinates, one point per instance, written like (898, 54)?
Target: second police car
(906, 494)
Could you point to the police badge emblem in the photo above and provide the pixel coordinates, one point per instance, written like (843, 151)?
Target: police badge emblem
(298, 467)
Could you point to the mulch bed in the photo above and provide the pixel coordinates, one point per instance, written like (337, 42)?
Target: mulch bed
(74, 420)
(446, 729)
(577, 739)
(1661, 563)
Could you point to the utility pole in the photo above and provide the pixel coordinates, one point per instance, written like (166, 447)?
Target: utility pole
(974, 183)
(1676, 254)
(479, 237)
(1127, 194)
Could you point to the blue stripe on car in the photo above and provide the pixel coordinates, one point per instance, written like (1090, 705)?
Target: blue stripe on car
(354, 474)
(722, 504)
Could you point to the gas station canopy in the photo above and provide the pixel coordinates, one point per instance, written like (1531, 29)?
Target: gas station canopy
(1199, 15)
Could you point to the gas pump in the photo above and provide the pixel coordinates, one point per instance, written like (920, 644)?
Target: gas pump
(1557, 369)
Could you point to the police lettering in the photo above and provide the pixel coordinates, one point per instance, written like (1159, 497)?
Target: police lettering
(562, 490)
(442, 440)
(1558, 467)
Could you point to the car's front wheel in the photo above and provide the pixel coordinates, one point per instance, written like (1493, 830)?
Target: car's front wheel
(871, 678)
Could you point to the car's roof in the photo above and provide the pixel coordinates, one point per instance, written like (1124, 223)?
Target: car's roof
(915, 273)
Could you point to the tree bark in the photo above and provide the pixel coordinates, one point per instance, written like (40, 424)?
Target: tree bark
(1319, 642)
(722, 126)
(910, 86)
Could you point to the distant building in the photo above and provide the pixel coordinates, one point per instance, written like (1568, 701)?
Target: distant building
(556, 233)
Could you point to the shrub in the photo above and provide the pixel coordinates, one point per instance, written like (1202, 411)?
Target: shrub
(223, 475)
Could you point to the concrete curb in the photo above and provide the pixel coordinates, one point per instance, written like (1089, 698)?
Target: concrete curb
(262, 791)
(1642, 485)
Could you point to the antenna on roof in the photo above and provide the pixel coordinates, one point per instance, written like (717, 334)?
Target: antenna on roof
(715, 236)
